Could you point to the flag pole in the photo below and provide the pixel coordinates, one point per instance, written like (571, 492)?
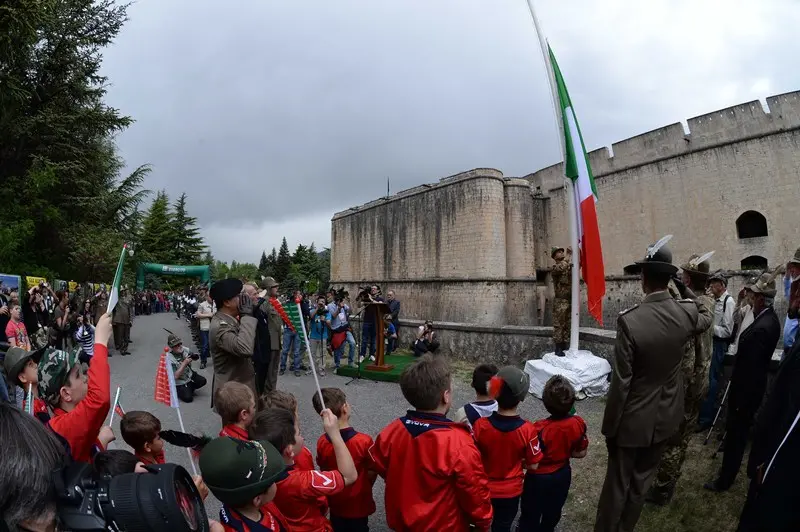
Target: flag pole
(310, 355)
(569, 185)
(188, 451)
(114, 406)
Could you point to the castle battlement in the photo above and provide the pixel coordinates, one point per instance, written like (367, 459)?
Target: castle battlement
(726, 126)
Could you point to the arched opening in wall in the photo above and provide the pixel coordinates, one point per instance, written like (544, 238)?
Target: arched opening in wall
(754, 262)
(751, 224)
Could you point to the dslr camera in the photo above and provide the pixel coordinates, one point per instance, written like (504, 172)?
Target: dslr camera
(163, 500)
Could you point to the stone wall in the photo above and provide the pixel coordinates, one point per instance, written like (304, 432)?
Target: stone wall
(695, 185)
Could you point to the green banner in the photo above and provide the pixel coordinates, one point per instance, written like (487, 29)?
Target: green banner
(203, 272)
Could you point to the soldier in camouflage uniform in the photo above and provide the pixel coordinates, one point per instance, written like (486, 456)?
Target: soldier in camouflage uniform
(562, 302)
(694, 367)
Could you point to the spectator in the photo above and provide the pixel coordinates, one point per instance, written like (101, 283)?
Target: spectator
(792, 293)
(59, 327)
(394, 308)
(85, 338)
(390, 333)
(484, 404)
(205, 311)
(342, 334)
(121, 319)
(141, 431)
(368, 327)
(35, 316)
(100, 303)
(320, 322)
(16, 332)
(426, 341)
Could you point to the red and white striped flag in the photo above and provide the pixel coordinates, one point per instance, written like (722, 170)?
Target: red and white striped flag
(165, 392)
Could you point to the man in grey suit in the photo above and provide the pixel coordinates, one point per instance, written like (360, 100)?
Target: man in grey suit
(645, 401)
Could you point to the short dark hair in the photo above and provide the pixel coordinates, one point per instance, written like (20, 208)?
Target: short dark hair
(30, 454)
(334, 399)
(424, 382)
(278, 399)
(115, 462)
(480, 377)
(558, 396)
(275, 425)
(231, 398)
(139, 427)
(655, 280)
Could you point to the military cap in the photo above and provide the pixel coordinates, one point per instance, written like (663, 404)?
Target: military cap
(236, 471)
(265, 285)
(796, 258)
(15, 361)
(173, 340)
(696, 267)
(718, 275)
(517, 381)
(658, 258)
(54, 368)
(225, 289)
(764, 285)
(554, 250)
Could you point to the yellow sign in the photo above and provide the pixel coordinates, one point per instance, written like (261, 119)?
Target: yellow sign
(34, 281)
(72, 286)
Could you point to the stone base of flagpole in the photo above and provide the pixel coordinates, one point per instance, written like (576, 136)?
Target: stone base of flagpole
(587, 373)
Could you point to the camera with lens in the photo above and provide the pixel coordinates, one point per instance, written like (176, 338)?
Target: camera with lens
(364, 293)
(164, 499)
(194, 356)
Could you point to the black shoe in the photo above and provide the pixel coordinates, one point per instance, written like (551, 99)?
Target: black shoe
(202, 365)
(130, 341)
(282, 372)
(656, 497)
(715, 486)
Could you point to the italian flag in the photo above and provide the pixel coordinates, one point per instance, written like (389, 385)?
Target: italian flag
(576, 168)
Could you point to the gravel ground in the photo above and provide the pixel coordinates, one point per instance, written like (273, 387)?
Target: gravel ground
(374, 404)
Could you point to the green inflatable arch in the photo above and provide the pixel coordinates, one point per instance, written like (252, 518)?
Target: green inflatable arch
(203, 272)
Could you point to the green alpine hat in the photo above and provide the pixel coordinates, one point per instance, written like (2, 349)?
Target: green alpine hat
(15, 361)
(173, 340)
(237, 470)
(554, 250)
(54, 368)
(517, 381)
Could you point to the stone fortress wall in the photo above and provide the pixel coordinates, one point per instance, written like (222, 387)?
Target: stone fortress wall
(473, 249)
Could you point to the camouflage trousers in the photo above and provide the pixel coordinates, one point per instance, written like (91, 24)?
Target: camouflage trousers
(669, 470)
(561, 316)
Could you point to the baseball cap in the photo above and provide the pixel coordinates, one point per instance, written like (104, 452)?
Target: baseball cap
(237, 470)
(54, 368)
(517, 381)
(15, 361)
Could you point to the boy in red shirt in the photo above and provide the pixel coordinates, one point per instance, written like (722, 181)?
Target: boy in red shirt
(244, 476)
(79, 407)
(434, 476)
(236, 405)
(141, 430)
(304, 460)
(506, 441)
(301, 496)
(350, 509)
(561, 436)
(22, 369)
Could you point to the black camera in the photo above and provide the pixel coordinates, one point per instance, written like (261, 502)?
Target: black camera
(194, 356)
(165, 499)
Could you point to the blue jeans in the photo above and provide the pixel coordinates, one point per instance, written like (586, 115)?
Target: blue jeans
(709, 406)
(543, 497)
(203, 346)
(367, 338)
(290, 337)
(338, 352)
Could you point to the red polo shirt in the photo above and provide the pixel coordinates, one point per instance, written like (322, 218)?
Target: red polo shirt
(304, 461)
(234, 431)
(160, 458)
(558, 439)
(505, 442)
(271, 520)
(434, 475)
(301, 498)
(355, 501)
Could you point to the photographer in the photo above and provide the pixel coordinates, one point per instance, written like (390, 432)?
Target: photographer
(84, 336)
(368, 327)
(318, 335)
(426, 341)
(342, 332)
(186, 380)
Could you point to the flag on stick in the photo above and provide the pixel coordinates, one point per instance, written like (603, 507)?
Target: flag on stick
(117, 408)
(577, 169)
(114, 296)
(29, 399)
(295, 316)
(165, 393)
(301, 326)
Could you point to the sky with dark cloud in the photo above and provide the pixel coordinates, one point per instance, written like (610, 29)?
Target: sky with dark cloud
(275, 114)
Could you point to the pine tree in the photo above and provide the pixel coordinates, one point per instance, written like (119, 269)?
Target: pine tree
(283, 262)
(272, 263)
(189, 245)
(262, 265)
(158, 237)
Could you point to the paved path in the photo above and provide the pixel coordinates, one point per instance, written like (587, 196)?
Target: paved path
(374, 404)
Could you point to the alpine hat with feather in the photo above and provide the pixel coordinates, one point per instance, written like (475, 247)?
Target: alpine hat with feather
(658, 258)
(698, 265)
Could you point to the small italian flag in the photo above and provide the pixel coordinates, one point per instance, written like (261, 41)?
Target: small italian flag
(113, 298)
(576, 167)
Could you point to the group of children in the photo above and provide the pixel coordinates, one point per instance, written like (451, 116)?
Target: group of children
(439, 474)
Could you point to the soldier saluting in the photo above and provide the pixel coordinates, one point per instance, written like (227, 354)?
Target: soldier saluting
(645, 401)
(562, 302)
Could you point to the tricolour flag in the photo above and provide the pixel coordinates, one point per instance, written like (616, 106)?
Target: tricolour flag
(29, 399)
(296, 319)
(114, 296)
(165, 392)
(576, 167)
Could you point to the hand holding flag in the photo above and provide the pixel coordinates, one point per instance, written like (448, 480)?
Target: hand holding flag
(113, 298)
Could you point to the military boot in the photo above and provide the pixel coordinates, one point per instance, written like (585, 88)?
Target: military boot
(559, 349)
(659, 497)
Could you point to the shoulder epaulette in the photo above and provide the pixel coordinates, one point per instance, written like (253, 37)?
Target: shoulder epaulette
(628, 310)
(686, 300)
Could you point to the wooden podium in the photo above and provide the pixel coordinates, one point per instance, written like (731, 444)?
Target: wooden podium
(377, 311)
